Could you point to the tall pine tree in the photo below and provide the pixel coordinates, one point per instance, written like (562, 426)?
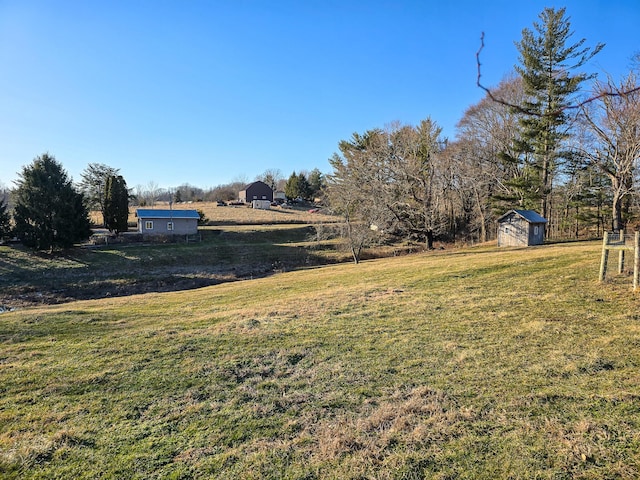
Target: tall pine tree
(116, 204)
(546, 65)
(298, 186)
(48, 211)
(5, 220)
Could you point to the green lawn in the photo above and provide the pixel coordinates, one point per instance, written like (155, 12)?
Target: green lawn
(477, 363)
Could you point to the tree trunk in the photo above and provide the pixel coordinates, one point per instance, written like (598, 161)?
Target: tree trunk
(546, 190)
(429, 240)
(481, 216)
(616, 204)
(356, 256)
(616, 213)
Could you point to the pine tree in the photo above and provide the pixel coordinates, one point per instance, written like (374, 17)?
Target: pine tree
(292, 187)
(316, 182)
(5, 220)
(116, 204)
(49, 212)
(304, 191)
(546, 63)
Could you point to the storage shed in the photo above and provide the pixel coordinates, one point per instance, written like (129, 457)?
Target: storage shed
(167, 222)
(521, 228)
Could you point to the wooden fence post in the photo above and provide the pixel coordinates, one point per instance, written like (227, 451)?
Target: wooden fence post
(605, 256)
(621, 254)
(636, 260)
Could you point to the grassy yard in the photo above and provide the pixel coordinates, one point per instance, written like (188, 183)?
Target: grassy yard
(477, 364)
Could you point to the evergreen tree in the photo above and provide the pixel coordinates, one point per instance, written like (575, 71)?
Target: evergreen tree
(316, 183)
(48, 211)
(292, 187)
(298, 186)
(546, 63)
(116, 204)
(304, 190)
(5, 220)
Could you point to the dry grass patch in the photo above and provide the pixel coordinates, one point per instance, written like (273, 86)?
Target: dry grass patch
(229, 215)
(245, 215)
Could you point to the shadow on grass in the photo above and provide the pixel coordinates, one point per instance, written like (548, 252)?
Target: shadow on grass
(30, 278)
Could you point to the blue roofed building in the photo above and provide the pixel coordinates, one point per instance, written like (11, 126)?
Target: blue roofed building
(167, 222)
(521, 228)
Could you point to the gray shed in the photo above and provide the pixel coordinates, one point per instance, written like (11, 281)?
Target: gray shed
(521, 228)
(167, 222)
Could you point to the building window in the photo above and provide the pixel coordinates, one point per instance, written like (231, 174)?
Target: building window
(148, 225)
(535, 230)
(169, 225)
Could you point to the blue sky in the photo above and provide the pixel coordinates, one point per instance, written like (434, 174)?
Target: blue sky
(208, 92)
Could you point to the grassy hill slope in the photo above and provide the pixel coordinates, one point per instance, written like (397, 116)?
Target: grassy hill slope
(224, 254)
(480, 363)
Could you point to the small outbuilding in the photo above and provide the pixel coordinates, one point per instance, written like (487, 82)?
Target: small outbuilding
(261, 204)
(167, 222)
(279, 196)
(521, 228)
(256, 191)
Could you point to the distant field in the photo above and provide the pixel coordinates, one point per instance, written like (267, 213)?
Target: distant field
(473, 364)
(240, 214)
(243, 214)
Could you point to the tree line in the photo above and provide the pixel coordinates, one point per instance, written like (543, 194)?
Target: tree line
(533, 143)
(50, 212)
(305, 185)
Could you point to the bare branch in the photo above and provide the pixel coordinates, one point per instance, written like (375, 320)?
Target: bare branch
(526, 111)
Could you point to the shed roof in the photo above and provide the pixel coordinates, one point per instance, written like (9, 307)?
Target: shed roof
(164, 213)
(530, 216)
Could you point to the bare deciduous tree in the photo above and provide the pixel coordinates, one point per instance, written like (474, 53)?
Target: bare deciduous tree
(93, 182)
(494, 170)
(392, 181)
(614, 124)
(353, 189)
(272, 177)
